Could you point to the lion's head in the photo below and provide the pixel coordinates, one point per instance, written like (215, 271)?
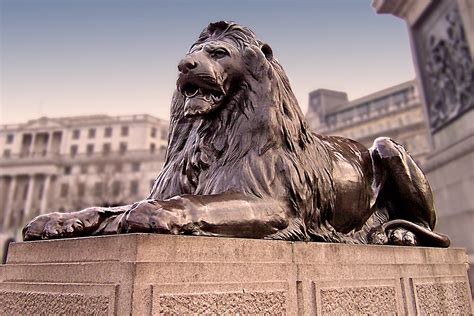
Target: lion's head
(216, 65)
(229, 80)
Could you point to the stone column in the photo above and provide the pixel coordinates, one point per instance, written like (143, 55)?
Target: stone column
(442, 42)
(3, 195)
(45, 195)
(9, 202)
(29, 197)
(31, 150)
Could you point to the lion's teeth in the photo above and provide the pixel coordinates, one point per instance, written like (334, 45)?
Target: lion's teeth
(190, 94)
(216, 98)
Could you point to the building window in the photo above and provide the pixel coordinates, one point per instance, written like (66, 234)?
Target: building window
(10, 138)
(400, 97)
(106, 147)
(118, 167)
(73, 150)
(123, 147)
(100, 168)
(76, 134)
(135, 166)
(7, 153)
(134, 187)
(90, 149)
(116, 188)
(124, 131)
(81, 189)
(163, 148)
(164, 134)
(152, 147)
(98, 188)
(153, 132)
(67, 170)
(108, 132)
(91, 133)
(83, 169)
(64, 190)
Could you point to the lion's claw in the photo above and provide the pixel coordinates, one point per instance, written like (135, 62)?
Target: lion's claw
(73, 225)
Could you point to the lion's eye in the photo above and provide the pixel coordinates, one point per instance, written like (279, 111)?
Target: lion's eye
(219, 53)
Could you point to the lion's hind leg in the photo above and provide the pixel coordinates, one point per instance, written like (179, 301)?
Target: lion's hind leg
(404, 192)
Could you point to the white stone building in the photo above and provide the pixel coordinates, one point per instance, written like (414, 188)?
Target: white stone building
(395, 112)
(68, 163)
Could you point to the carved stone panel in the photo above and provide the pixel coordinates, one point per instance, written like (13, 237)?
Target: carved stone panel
(262, 298)
(441, 294)
(445, 63)
(36, 303)
(269, 303)
(358, 297)
(359, 300)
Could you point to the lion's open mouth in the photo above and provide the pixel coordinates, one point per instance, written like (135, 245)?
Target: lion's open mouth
(202, 96)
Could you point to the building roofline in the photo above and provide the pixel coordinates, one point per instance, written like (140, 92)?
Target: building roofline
(328, 92)
(102, 119)
(374, 95)
(383, 92)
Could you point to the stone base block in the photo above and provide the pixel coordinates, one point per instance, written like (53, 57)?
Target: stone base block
(143, 274)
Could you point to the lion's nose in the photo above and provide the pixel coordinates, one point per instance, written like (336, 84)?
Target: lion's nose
(186, 64)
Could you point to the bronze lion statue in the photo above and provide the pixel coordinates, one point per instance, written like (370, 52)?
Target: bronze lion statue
(242, 162)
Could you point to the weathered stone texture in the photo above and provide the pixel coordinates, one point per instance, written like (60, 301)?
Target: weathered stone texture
(270, 303)
(35, 303)
(151, 274)
(359, 300)
(442, 298)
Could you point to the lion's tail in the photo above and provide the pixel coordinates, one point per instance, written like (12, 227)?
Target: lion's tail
(425, 236)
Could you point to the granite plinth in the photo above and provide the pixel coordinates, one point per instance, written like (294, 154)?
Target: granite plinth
(143, 274)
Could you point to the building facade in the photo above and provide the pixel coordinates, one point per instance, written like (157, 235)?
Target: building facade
(395, 112)
(69, 163)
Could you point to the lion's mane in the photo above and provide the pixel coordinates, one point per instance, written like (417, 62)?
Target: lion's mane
(258, 144)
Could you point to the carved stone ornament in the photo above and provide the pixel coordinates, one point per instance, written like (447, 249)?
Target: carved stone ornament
(449, 70)
(242, 162)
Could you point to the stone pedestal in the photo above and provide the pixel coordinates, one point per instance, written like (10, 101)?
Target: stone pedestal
(143, 274)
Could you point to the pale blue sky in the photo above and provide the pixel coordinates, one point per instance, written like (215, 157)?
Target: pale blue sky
(72, 57)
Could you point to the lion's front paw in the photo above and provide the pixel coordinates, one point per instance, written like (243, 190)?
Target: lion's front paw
(61, 225)
(54, 225)
(151, 216)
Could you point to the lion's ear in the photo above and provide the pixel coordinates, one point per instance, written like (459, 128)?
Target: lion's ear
(267, 51)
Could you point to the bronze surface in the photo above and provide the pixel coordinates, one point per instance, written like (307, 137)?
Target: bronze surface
(242, 162)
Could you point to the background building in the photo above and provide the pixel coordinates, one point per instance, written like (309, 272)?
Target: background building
(395, 112)
(68, 163)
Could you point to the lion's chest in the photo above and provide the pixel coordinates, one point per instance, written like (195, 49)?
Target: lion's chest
(200, 159)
